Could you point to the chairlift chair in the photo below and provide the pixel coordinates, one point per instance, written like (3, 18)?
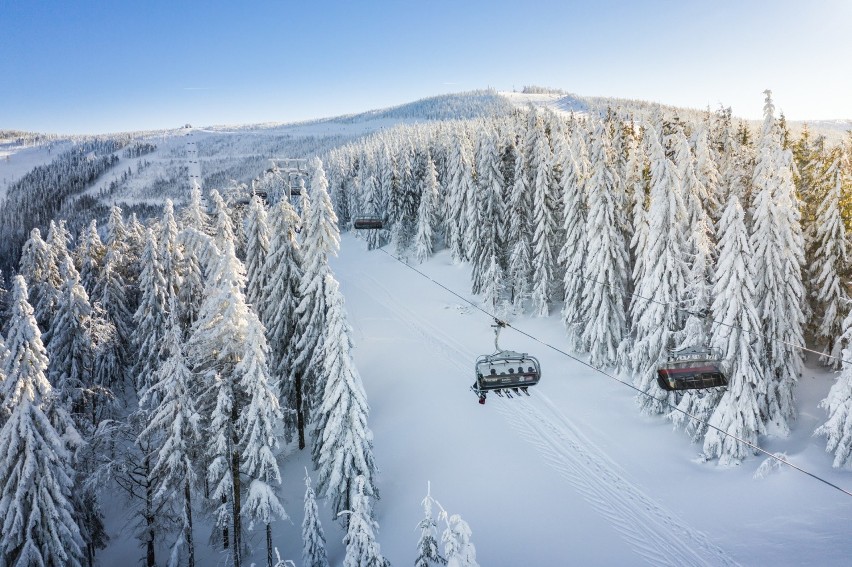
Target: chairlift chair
(367, 223)
(505, 371)
(692, 368)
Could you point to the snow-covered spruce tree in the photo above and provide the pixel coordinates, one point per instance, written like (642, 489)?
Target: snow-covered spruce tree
(42, 275)
(70, 345)
(257, 246)
(831, 261)
(707, 172)
(458, 549)
(222, 225)
(277, 311)
(198, 253)
(343, 442)
(174, 431)
(459, 191)
(492, 293)
(259, 421)
(543, 219)
(428, 553)
(370, 205)
(491, 213)
(229, 348)
(734, 334)
(320, 239)
(657, 324)
(194, 215)
(520, 236)
(575, 172)
(313, 537)
(110, 298)
(605, 266)
(777, 245)
(427, 214)
(169, 253)
(838, 427)
(89, 255)
(36, 512)
(362, 549)
(150, 316)
(699, 246)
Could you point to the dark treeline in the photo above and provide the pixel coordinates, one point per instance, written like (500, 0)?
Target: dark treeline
(36, 198)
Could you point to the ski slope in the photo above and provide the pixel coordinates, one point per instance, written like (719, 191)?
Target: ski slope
(573, 474)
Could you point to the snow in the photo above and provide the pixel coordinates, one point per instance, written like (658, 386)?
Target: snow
(560, 103)
(572, 474)
(17, 160)
(572, 471)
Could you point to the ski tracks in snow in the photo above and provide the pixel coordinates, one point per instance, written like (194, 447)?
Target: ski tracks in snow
(654, 532)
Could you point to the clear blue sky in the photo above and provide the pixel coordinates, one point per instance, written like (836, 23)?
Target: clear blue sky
(98, 66)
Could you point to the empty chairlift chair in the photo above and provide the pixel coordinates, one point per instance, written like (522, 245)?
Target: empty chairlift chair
(367, 223)
(692, 368)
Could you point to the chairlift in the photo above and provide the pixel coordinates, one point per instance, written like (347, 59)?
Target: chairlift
(692, 368)
(367, 223)
(506, 371)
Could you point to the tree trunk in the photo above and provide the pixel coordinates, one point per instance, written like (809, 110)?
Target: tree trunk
(269, 561)
(187, 502)
(235, 472)
(150, 559)
(300, 413)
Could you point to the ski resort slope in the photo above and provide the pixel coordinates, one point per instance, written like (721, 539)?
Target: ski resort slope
(573, 474)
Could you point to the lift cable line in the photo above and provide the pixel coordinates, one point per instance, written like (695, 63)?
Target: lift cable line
(629, 385)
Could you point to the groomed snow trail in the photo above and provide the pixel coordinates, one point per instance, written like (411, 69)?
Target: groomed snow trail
(655, 533)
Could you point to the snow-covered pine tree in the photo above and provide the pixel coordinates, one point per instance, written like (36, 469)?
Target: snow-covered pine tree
(42, 275)
(428, 553)
(257, 246)
(150, 317)
(283, 269)
(831, 261)
(223, 226)
(313, 537)
(777, 245)
(320, 239)
(575, 172)
(342, 439)
(362, 549)
(492, 293)
(520, 235)
(198, 253)
(194, 215)
(89, 255)
(543, 219)
(490, 212)
(36, 511)
(174, 430)
(369, 204)
(111, 294)
(427, 214)
(605, 265)
(733, 333)
(838, 427)
(169, 253)
(458, 549)
(657, 324)
(217, 346)
(459, 190)
(259, 421)
(70, 345)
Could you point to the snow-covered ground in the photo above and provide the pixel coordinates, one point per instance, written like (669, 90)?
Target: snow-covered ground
(18, 160)
(559, 103)
(572, 474)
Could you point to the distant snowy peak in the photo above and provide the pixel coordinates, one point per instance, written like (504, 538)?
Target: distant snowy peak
(559, 102)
